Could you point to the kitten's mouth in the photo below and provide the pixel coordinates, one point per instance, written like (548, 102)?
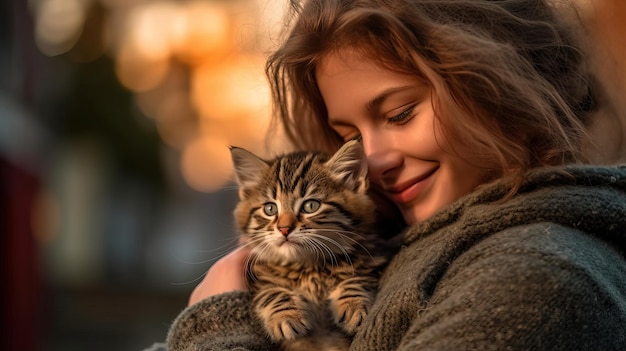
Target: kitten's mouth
(287, 241)
(288, 246)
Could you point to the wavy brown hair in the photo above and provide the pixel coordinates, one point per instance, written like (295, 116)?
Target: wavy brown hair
(508, 81)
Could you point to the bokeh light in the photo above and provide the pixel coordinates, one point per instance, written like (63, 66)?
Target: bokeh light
(195, 68)
(138, 72)
(203, 35)
(58, 24)
(149, 29)
(206, 163)
(232, 88)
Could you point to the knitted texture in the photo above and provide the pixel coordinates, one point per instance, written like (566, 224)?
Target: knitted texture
(230, 314)
(544, 270)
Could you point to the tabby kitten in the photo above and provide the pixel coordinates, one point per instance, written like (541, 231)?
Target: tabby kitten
(315, 258)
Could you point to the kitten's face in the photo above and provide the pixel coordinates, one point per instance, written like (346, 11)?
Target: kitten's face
(303, 207)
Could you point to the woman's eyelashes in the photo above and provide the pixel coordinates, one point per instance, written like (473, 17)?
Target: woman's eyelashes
(399, 119)
(351, 136)
(358, 138)
(402, 117)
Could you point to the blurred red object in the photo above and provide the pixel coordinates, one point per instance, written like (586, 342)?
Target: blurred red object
(21, 279)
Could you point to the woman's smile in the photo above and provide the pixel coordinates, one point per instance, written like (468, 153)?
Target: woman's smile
(406, 192)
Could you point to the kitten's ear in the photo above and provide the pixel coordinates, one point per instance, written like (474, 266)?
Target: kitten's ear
(348, 166)
(248, 168)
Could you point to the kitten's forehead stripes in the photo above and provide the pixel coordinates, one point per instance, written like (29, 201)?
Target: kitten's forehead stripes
(302, 170)
(279, 179)
(304, 188)
(291, 174)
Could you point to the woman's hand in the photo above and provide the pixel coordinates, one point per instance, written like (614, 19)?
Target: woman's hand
(227, 274)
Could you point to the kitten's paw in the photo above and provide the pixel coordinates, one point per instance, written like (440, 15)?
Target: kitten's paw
(350, 312)
(284, 315)
(288, 326)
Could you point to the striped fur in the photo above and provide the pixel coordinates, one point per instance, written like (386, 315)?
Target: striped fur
(315, 258)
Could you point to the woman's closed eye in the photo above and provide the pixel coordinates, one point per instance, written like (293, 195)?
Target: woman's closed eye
(403, 117)
(352, 136)
(358, 138)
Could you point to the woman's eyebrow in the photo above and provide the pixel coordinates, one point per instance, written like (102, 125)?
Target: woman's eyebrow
(375, 103)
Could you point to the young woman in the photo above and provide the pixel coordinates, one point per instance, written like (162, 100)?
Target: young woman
(472, 116)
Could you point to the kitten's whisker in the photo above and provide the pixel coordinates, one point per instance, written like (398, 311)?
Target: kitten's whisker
(355, 233)
(229, 187)
(357, 243)
(322, 246)
(313, 233)
(221, 252)
(342, 234)
(254, 257)
(247, 268)
(313, 249)
(210, 260)
(334, 242)
(197, 279)
(229, 245)
(257, 245)
(252, 242)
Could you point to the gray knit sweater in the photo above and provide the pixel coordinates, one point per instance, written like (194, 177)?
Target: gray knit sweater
(544, 270)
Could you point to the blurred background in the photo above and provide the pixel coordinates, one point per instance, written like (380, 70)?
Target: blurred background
(116, 192)
(115, 176)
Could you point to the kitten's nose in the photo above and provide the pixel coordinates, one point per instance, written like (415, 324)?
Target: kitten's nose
(285, 230)
(286, 223)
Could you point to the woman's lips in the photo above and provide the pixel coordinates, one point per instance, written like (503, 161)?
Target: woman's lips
(407, 191)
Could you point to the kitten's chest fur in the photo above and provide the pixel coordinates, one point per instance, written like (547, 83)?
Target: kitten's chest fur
(314, 281)
(317, 306)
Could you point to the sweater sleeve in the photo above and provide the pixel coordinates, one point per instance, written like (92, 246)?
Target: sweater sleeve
(527, 297)
(220, 322)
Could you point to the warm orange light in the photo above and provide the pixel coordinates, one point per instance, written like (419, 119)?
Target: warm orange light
(244, 131)
(233, 88)
(204, 33)
(150, 28)
(138, 72)
(206, 163)
(197, 69)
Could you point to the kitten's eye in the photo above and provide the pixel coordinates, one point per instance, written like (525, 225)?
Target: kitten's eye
(270, 209)
(310, 206)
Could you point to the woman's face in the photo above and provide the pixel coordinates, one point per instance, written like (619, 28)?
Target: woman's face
(406, 151)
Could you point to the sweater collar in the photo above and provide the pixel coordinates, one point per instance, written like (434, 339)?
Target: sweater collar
(588, 198)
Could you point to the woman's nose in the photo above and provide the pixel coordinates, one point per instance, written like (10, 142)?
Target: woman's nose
(382, 159)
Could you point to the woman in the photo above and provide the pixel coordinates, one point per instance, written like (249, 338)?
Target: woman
(472, 115)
